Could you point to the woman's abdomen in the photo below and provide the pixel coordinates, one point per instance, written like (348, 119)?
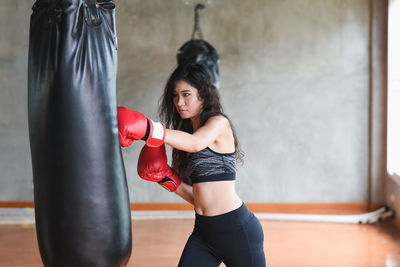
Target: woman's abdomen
(214, 198)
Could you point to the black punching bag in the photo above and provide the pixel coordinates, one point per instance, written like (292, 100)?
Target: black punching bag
(200, 51)
(81, 199)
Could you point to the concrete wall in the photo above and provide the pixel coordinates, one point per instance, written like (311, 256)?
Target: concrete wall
(294, 80)
(15, 163)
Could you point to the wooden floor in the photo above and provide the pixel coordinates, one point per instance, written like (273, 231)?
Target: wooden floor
(158, 243)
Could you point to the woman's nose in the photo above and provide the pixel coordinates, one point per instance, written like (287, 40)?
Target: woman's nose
(180, 101)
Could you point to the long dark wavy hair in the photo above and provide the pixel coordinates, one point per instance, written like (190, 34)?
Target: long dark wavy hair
(198, 76)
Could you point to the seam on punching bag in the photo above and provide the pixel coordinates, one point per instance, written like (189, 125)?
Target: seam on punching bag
(107, 5)
(105, 9)
(91, 13)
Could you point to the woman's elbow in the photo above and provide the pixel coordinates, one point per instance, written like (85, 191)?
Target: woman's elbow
(192, 148)
(196, 147)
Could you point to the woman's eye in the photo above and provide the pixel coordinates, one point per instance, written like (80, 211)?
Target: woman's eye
(186, 94)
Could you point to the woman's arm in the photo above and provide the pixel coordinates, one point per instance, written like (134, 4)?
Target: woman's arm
(185, 191)
(200, 139)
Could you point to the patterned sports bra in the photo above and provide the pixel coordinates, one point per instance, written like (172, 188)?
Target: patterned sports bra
(209, 166)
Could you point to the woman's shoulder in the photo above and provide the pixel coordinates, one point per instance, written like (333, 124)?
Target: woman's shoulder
(220, 122)
(218, 119)
(225, 139)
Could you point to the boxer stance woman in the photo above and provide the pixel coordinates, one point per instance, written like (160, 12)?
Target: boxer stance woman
(205, 151)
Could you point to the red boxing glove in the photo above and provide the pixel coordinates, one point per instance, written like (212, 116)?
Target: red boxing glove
(133, 125)
(153, 166)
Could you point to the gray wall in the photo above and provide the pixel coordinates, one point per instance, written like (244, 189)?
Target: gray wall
(294, 80)
(15, 164)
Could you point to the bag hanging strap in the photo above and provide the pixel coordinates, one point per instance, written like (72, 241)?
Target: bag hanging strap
(196, 28)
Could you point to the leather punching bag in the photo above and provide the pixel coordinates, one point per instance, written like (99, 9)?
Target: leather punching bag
(200, 51)
(81, 199)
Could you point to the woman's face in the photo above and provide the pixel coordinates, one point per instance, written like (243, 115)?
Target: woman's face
(187, 100)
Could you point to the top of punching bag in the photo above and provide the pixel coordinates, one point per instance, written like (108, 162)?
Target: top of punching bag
(200, 51)
(197, 50)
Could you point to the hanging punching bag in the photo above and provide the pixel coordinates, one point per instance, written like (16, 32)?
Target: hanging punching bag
(200, 51)
(81, 199)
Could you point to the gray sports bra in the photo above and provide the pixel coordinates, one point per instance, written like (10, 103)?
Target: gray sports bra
(209, 166)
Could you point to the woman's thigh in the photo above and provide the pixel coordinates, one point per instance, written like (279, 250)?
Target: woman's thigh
(243, 247)
(197, 254)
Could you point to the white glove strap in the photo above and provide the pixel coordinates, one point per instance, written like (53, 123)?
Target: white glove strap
(158, 130)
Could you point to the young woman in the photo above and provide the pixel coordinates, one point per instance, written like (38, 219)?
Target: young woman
(205, 151)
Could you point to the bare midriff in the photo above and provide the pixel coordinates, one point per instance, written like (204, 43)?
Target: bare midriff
(215, 198)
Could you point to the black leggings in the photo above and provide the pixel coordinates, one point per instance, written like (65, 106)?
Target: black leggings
(234, 238)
